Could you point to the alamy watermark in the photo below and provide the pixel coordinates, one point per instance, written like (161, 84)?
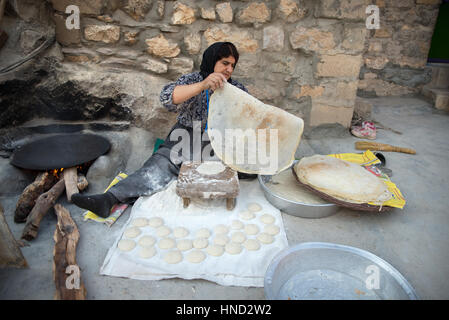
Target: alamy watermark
(237, 146)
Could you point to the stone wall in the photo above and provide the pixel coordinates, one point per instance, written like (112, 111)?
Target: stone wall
(302, 56)
(394, 62)
(309, 57)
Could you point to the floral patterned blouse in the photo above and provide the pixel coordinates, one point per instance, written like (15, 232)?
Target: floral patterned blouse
(194, 108)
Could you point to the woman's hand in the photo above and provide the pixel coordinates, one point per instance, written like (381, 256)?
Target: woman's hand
(214, 81)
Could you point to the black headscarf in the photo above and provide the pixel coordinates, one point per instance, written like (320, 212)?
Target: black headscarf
(212, 54)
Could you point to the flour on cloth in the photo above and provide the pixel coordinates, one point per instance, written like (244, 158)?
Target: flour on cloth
(246, 268)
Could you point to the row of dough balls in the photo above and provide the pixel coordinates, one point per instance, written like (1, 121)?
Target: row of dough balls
(181, 232)
(195, 256)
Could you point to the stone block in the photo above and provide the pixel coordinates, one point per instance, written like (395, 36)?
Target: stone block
(362, 108)
(192, 41)
(137, 9)
(153, 65)
(241, 38)
(65, 36)
(273, 38)
(323, 114)
(106, 34)
(290, 11)
(224, 11)
(182, 14)
(208, 13)
(159, 46)
(312, 39)
(342, 9)
(306, 90)
(130, 37)
(180, 66)
(254, 13)
(339, 65)
(377, 63)
(160, 8)
(354, 37)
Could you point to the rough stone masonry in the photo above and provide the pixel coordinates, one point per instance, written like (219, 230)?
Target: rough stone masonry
(307, 57)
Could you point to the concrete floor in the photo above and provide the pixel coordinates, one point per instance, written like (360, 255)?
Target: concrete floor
(414, 240)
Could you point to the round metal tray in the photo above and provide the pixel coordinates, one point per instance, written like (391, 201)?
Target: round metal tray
(328, 271)
(298, 209)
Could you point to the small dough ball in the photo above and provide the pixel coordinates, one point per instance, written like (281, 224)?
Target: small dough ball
(140, 222)
(126, 245)
(237, 225)
(251, 244)
(132, 232)
(221, 229)
(267, 218)
(203, 233)
(215, 250)
(155, 222)
(196, 256)
(167, 243)
(146, 241)
(265, 238)
(184, 244)
(251, 229)
(271, 229)
(163, 231)
(238, 237)
(221, 239)
(147, 252)
(233, 248)
(254, 207)
(210, 167)
(180, 232)
(200, 243)
(246, 215)
(173, 257)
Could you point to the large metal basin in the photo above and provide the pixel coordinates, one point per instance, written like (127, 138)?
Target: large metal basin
(328, 271)
(303, 210)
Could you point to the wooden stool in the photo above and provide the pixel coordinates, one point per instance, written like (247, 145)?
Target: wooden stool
(192, 184)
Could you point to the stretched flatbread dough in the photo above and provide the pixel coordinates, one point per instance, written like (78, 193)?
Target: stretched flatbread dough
(233, 108)
(342, 180)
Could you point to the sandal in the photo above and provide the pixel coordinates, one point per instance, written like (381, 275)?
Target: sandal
(366, 131)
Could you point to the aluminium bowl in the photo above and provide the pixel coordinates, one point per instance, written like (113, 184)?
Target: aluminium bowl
(295, 208)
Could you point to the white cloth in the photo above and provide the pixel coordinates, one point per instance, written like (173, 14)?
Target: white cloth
(245, 269)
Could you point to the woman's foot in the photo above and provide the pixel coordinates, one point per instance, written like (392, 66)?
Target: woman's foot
(100, 204)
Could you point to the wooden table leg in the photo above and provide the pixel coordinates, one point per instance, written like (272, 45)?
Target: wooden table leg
(186, 202)
(230, 203)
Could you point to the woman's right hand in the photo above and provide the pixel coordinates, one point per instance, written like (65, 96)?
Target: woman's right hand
(214, 81)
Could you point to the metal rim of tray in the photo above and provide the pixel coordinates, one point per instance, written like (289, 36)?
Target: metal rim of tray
(405, 285)
(266, 189)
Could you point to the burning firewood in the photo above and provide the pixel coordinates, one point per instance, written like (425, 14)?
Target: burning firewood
(82, 182)
(43, 204)
(71, 178)
(66, 273)
(44, 181)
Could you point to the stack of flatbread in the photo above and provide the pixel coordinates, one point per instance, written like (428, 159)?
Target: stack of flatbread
(342, 180)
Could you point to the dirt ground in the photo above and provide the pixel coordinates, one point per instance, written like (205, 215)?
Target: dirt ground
(414, 240)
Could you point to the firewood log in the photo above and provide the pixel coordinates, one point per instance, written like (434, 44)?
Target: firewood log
(43, 204)
(66, 272)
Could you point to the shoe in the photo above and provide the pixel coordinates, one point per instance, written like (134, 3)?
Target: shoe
(366, 131)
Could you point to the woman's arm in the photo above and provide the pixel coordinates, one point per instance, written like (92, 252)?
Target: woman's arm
(182, 93)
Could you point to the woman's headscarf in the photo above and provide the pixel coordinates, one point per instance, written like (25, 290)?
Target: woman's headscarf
(215, 52)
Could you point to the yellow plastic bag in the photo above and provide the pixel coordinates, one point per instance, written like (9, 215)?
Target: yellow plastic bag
(116, 210)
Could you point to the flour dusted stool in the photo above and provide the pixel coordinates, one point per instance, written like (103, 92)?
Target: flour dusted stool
(193, 184)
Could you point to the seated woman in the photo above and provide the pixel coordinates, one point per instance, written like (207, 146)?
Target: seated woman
(188, 96)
